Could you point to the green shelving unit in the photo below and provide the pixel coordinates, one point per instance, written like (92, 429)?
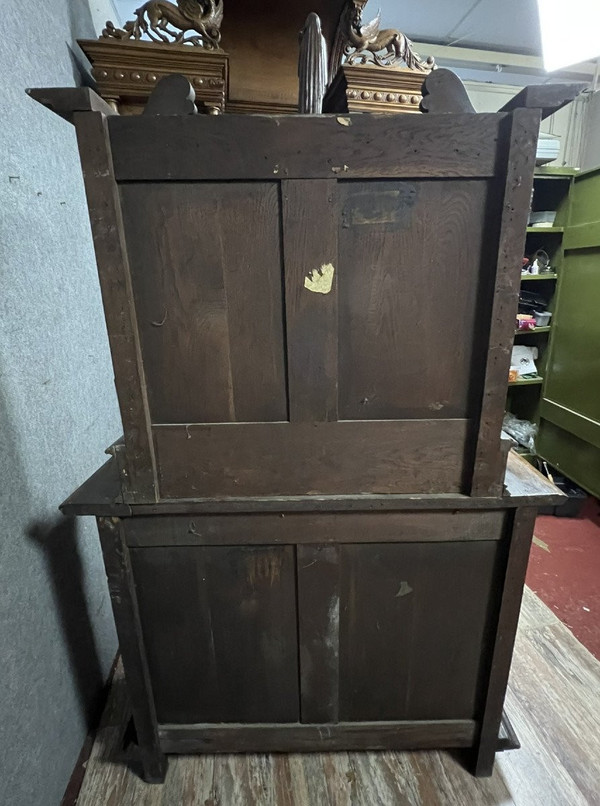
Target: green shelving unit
(544, 329)
(526, 381)
(546, 230)
(551, 191)
(569, 406)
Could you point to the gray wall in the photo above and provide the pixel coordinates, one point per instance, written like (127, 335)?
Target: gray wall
(57, 414)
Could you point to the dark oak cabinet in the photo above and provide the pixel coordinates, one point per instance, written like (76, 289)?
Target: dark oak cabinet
(403, 623)
(303, 307)
(312, 535)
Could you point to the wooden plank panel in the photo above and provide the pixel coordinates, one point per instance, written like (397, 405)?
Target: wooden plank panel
(410, 456)
(297, 738)
(427, 249)
(311, 528)
(219, 625)
(524, 485)
(210, 308)
(412, 625)
(296, 147)
(317, 573)
(522, 135)
(119, 307)
(308, 208)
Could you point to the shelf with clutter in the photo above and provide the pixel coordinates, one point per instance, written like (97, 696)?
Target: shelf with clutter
(540, 287)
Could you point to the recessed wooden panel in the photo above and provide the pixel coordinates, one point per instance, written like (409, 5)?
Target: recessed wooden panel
(242, 147)
(219, 627)
(406, 456)
(413, 623)
(312, 527)
(206, 270)
(415, 263)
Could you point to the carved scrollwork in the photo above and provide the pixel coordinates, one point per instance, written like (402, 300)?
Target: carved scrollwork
(166, 22)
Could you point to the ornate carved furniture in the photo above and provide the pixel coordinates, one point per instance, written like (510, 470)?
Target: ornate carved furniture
(311, 536)
(127, 72)
(366, 72)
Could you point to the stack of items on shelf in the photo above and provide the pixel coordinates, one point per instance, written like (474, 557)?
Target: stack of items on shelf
(522, 363)
(538, 263)
(523, 431)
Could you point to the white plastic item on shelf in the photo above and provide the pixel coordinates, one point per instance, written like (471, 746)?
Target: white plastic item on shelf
(523, 359)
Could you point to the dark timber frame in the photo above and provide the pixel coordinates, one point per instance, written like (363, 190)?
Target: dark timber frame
(307, 175)
(317, 537)
(310, 545)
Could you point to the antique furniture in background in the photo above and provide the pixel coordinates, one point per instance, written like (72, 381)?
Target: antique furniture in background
(127, 72)
(311, 536)
(257, 70)
(253, 69)
(365, 67)
(126, 68)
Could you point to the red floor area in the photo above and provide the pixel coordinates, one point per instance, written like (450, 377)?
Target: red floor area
(564, 571)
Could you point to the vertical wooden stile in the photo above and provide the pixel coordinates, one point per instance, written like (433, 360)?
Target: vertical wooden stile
(310, 258)
(488, 472)
(119, 307)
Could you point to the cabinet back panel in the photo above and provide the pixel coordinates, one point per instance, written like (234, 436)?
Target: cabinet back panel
(219, 626)
(412, 261)
(413, 621)
(205, 261)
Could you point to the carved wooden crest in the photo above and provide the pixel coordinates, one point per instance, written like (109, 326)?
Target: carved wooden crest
(360, 43)
(163, 21)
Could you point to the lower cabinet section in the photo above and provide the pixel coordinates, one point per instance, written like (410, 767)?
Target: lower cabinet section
(350, 635)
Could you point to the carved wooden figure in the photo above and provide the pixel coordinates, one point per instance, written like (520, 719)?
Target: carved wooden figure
(312, 67)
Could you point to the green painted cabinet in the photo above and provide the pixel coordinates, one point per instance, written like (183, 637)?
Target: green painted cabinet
(569, 435)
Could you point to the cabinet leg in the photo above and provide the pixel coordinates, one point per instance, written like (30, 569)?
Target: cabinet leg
(154, 766)
(484, 755)
(510, 604)
(127, 620)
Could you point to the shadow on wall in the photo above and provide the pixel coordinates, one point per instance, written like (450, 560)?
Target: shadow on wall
(65, 572)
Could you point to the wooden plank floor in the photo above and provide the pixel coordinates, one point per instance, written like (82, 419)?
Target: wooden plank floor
(553, 703)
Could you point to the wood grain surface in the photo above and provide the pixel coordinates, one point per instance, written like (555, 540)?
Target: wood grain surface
(413, 619)
(386, 456)
(100, 494)
(219, 624)
(553, 701)
(310, 528)
(114, 273)
(410, 284)
(209, 307)
(310, 207)
(223, 147)
(516, 197)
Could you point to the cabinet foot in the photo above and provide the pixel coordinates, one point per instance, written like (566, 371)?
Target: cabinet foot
(154, 767)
